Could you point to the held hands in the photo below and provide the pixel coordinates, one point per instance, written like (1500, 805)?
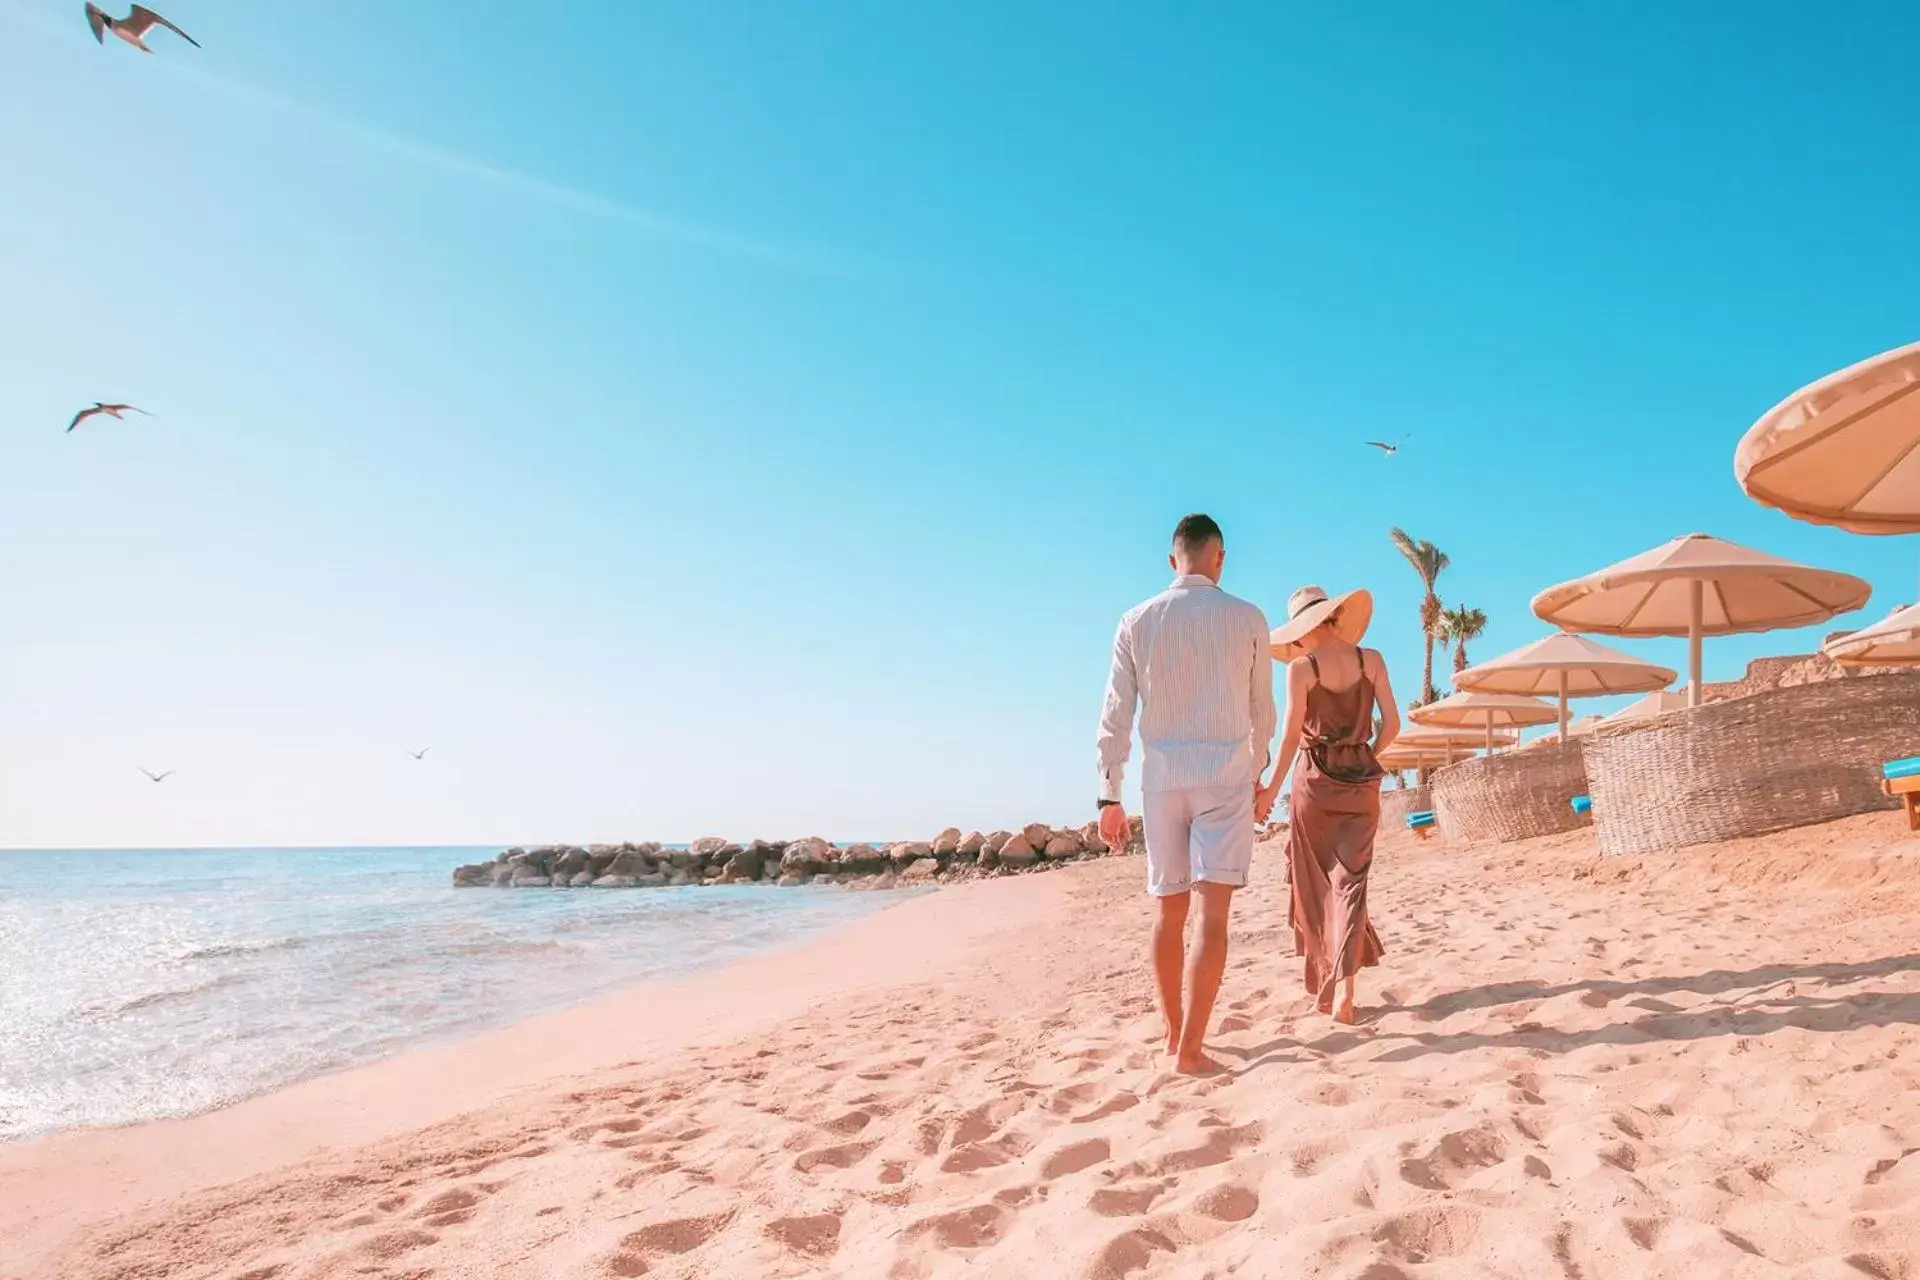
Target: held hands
(1263, 800)
(1113, 826)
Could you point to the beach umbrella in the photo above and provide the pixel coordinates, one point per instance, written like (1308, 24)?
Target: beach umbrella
(1397, 757)
(1654, 704)
(1423, 747)
(1894, 641)
(1567, 666)
(1699, 586)
(1844, 450)
(1467, 739)
(1488, 711)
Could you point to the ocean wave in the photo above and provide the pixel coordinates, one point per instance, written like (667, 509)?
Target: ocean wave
(103, 1009)
(506, 948)
(220, 949)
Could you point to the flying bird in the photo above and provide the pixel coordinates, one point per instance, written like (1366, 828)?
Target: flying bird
(155, 777)
(421, 754)
(132, 27)
(111, 410)
(1388, 449)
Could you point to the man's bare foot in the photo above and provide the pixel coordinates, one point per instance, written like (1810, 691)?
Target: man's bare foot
(1197, 1063)
(1345, 1016)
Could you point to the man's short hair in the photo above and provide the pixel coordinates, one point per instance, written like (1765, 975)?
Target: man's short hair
(1194, 532)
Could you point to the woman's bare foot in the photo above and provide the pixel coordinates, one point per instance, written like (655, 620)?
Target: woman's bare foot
(1197, 1063)
(1173, 1043)
(1324, 1006)
(1345, 1015)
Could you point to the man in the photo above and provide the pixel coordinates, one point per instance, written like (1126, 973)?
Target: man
(1195, 660)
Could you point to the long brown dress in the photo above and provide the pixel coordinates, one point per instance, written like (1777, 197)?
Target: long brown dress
(1334, 813)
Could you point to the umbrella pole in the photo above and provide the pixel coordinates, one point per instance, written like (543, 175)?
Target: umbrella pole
(1489, 733)
(1563, 708)
(1696, 591)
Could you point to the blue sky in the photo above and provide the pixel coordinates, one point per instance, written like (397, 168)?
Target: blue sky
(751, 419)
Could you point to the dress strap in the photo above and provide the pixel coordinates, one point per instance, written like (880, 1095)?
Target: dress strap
(1314, 663)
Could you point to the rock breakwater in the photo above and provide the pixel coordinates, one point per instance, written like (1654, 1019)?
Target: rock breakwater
(949, 856)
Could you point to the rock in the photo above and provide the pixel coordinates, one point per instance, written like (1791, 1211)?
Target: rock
(792, 878)
(568, 863)
(681, 876)
(885, 880)
(1037, 834)
(971, 845)
(630, 863)
(1065, 844)
(599, 858)
(615, 882)
(906, 851)
(508, 855)
(581, 879)
(528, 880)
(1017, 853)
(798, 860)
(683, 859)
(743, 866)
(473, 876)
(503, 874)
(989, 857)
(996, 842)
(947, 843)
(602, 850)
(812, 848)
(533, 862)
(862, 860)
(652, 880)
(1090, 838)
(707, 846)
(920, 869)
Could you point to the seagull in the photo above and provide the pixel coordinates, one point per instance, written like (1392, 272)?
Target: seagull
(132, 27)
(155, 777)
(421, 754)
(1388, 449)
(111, 410)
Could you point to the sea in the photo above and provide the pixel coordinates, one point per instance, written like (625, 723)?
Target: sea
(144, 983)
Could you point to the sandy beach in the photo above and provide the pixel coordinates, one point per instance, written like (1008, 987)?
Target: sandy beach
(1697, 1065)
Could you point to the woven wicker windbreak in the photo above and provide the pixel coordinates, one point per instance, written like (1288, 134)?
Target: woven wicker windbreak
(1746, 766)
(1396, 804)
(1512, 796)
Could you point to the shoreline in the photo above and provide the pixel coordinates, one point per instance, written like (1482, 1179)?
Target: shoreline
(116, 1170)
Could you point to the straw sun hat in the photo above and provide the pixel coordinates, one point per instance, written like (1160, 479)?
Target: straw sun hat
(1308, 607)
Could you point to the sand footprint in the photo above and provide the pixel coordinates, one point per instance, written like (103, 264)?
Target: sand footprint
(815, 1236)
(1075, 1158)
(677, 1236)
(1455, 1158)
(844, 1156)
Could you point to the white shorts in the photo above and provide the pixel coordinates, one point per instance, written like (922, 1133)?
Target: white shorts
(1201, 834)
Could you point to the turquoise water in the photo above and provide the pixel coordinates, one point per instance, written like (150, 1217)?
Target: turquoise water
(136, 984)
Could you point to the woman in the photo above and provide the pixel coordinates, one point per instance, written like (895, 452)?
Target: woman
(1333, 686)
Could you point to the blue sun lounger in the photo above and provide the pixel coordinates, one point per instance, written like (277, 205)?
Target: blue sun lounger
(1902, 778)
(1583, 804)
(1421, 824)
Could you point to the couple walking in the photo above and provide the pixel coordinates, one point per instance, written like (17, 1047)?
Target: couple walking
(1195, 663)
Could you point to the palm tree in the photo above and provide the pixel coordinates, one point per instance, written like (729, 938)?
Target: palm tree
(1428, 561)
(1459, 625)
